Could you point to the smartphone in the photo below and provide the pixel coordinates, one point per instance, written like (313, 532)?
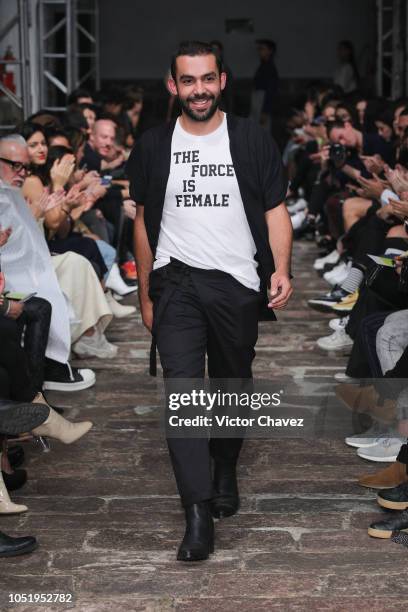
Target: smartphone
(106, 180)
(20, 297)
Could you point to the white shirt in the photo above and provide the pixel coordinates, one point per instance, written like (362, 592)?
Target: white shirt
(204, 223)
(27, 264)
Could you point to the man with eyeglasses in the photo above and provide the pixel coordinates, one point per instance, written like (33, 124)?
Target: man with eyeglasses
(14, 162)
(27, 262)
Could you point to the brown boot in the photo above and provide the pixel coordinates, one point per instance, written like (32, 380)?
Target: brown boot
(357, 398)
(387, 478)
(366, 400)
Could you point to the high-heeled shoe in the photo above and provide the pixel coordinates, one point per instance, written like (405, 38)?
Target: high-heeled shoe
(56, 426)
(15, 480)
(198, 541)
(6, 505)
(42, 397)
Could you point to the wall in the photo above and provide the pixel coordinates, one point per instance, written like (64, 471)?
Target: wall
(137, 37)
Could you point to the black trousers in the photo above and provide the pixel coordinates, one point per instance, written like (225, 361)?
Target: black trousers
(36, 318)
(363, 361)
(199, 312)
(15, 380)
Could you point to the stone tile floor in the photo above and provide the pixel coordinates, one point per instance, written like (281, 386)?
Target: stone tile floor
(107, 517)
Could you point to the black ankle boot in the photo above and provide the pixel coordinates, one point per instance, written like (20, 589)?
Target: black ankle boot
(226, 500)
(198, 541)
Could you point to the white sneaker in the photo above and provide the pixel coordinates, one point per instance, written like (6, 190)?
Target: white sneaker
(336, 341)
(331, 258)
(297, 219)
(94, 346)
(116, 282)
(299, 205)
(371, 437)
(338, 275)
(339, 323)
(386, 450)
(119, 310)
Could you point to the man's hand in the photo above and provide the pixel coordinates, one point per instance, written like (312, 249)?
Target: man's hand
(129, 208)
(146, 309)
(4, 235)
(280, 292)
(2, 282)
(16, 309)
(371, 188)
(88, 178)
(373, 163)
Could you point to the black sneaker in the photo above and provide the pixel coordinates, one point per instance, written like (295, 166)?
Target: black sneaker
(394, 499)
(324, 303)
(385, 529)
(62, 377)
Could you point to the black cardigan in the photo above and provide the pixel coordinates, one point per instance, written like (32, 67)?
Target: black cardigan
(258, 168)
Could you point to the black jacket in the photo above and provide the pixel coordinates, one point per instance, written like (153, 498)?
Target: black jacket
(258, 168)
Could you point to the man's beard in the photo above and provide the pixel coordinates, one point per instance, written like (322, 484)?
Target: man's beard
(196, 116)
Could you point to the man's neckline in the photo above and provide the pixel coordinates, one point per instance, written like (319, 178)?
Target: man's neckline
(191, 135)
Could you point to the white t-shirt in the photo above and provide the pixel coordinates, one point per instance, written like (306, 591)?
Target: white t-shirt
(204, 223)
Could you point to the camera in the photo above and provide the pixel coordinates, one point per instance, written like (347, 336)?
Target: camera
(337, 155)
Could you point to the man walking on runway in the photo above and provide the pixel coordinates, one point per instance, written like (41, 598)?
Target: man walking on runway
(212, 234)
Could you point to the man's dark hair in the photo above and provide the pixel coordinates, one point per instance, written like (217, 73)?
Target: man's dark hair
(193, 48)
(337, 123)
(74, 96)
(53, 132)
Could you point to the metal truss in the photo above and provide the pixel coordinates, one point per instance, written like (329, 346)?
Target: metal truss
(392, 48)
(19, 105)
(68, 49)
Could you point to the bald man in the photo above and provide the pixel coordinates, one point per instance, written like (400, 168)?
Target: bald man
(100, 152)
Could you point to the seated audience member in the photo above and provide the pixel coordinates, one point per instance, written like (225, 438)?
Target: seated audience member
(29, 266)
(100, 152)
(57, 138)
(131, 116)
(89, 113)
(80, 96)
(74, 225)
(111, 101)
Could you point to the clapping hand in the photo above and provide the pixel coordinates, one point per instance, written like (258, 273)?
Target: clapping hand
(62, 170)
(47, 201)
(371, 188)
(397, 177)
(399, 209)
